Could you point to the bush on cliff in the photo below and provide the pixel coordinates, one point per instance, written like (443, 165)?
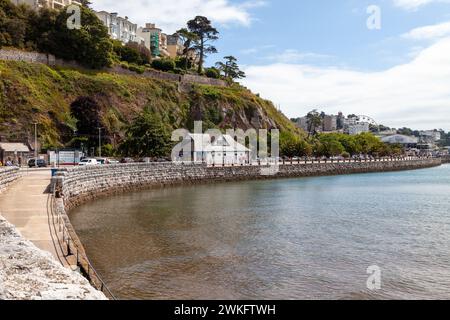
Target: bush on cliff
(146, 136)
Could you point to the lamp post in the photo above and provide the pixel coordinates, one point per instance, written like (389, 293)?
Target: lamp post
(35, 142)
(99, 142)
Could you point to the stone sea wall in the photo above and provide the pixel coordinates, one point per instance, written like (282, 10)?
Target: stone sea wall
(7, 176)
(73, 186)
(446, 159)
(80, 184)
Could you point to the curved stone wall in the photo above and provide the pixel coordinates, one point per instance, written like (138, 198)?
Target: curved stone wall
(79, 184)
(7, 176)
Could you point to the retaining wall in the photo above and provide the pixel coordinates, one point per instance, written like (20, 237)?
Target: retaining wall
(7, 176)
(51, 60)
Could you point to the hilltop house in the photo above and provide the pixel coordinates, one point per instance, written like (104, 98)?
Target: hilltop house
(119, 28)
(203, 148)
(51, 4)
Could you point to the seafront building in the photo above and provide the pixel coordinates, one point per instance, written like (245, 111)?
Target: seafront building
(204, 148)
(50, 4)
(352, 125)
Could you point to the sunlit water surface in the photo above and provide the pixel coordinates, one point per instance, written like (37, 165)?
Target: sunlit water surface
(310, 238)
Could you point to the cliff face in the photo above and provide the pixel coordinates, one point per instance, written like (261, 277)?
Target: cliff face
(27, 273)
(37, 93)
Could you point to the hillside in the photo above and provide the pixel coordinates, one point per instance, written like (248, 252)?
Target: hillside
(37, 93)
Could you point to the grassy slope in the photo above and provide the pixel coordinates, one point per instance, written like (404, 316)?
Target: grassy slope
(35, 92)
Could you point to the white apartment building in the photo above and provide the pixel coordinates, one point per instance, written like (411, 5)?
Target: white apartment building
(119, 28)
(52, 4)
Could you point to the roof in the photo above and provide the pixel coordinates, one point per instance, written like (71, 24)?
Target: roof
(399, 138)
(225, 143)
(14, 147)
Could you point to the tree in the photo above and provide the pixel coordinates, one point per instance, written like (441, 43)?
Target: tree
(90, 45)
(188, 39)
(230, 68)
(205, 33)
(314, 122)
(146, 136)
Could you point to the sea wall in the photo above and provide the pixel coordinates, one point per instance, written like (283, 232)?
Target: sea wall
(446, 159)
(80, 184)
(7, 176)
(73, 186)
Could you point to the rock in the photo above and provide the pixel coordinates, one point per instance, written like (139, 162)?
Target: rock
(28, 273)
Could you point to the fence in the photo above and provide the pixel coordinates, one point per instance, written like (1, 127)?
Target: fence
(71, 249)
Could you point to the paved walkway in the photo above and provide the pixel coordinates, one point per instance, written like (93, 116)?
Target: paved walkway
(24, 204)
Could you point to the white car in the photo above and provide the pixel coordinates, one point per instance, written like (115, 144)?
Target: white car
(88, 162)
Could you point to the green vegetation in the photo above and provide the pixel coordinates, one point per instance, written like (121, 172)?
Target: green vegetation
(230, 68)
(204, 33)
(146, 136)
(60, 99)
(47, 32)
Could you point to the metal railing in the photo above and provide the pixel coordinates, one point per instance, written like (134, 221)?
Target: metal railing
(68, 247)
(299, 161)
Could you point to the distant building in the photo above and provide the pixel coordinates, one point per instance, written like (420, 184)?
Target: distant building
(431, 135)
(202, 148)
(119, 28)
(175, 46)
(329, 123)
(51, 4)
(358, 128)
(15, 152)
(154, 39)
(407, 142)
(302, 123)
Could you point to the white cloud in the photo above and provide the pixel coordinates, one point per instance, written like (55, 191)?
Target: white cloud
(415, 4)
(414, 94)
(295, 56)
(172, 15)
(429, 32)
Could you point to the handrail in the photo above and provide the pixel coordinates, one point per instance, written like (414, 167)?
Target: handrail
(67, 238)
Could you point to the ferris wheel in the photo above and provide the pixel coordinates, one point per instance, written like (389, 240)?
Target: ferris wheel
(367, 119)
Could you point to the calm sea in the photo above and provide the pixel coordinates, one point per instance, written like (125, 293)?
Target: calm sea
(309, 238)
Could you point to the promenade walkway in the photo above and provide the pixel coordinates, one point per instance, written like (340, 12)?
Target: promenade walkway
(24, 204)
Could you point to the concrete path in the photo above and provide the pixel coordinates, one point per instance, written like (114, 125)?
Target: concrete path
(24, 204)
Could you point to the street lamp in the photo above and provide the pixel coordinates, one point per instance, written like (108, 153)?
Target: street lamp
(35, 142)
(100, 142)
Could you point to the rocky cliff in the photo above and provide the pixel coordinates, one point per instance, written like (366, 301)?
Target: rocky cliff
(33, 92)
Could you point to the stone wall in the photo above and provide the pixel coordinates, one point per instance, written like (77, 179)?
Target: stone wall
(7, 176)
(446, 159)
(51, 60)
(80, 184)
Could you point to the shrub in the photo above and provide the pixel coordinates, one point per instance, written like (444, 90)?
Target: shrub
(136, 68)
(163, 65)
(212, 73)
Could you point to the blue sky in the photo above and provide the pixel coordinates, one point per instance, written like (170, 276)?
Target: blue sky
(305, 54)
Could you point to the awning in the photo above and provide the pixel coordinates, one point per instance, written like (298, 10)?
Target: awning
(14, 147)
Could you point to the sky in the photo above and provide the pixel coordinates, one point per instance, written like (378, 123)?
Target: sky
(387, 59)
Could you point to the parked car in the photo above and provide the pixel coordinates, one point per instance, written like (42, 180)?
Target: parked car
(102, 160)
(88, 162)
(113, 161)
(127, 160)
(39, 163)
